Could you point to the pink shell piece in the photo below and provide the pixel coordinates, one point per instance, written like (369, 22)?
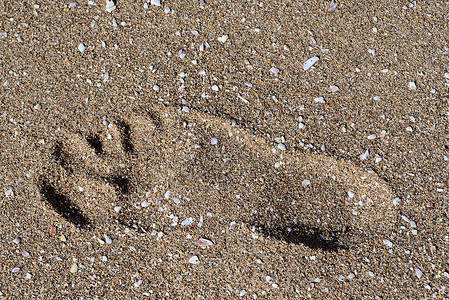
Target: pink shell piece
(204, 242)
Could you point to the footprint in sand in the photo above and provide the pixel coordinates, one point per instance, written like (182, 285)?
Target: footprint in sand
(165, 168)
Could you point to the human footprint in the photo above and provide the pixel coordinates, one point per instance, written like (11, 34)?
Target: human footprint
(169, 168)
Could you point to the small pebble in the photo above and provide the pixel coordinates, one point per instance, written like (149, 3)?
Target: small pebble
(81, 47)
(15, 270)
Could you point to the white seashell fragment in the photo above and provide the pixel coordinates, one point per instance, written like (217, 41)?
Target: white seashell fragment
(110, 6)
(144, 203)
(310, 62)
(418, 272)
(74, 268)
(204, 242)
(334, 88)
(15, 270)
(388, 243)
(446, 75)
(167, 195)
(364, 155)
(81, 47)
(215, 88)
(275, 71)
(319, 100)
(223, 38)
(412, 85)
(332, 5)
(301, 125)
(194, 260)
(156, 2)
(187, 221)
(281, 146)
(213, 141)
(9, 192)
(372, 136)
(305, 182)
(378, 159)
(138, 283)
(107, 239)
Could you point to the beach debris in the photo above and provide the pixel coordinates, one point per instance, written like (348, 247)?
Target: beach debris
(194, 260)
(204, 242)
(110, 6)
(310, 62)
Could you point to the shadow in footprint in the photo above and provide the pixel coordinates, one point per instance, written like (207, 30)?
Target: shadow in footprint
(309, 236)
(62, 205)
(128, 147)
(95, 143)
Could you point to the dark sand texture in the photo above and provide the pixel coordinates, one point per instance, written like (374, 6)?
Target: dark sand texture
(183, 151)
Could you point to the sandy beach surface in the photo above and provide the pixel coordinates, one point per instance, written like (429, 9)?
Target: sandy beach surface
(224, 149)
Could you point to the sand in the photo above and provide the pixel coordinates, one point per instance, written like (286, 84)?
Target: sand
(182, 150)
